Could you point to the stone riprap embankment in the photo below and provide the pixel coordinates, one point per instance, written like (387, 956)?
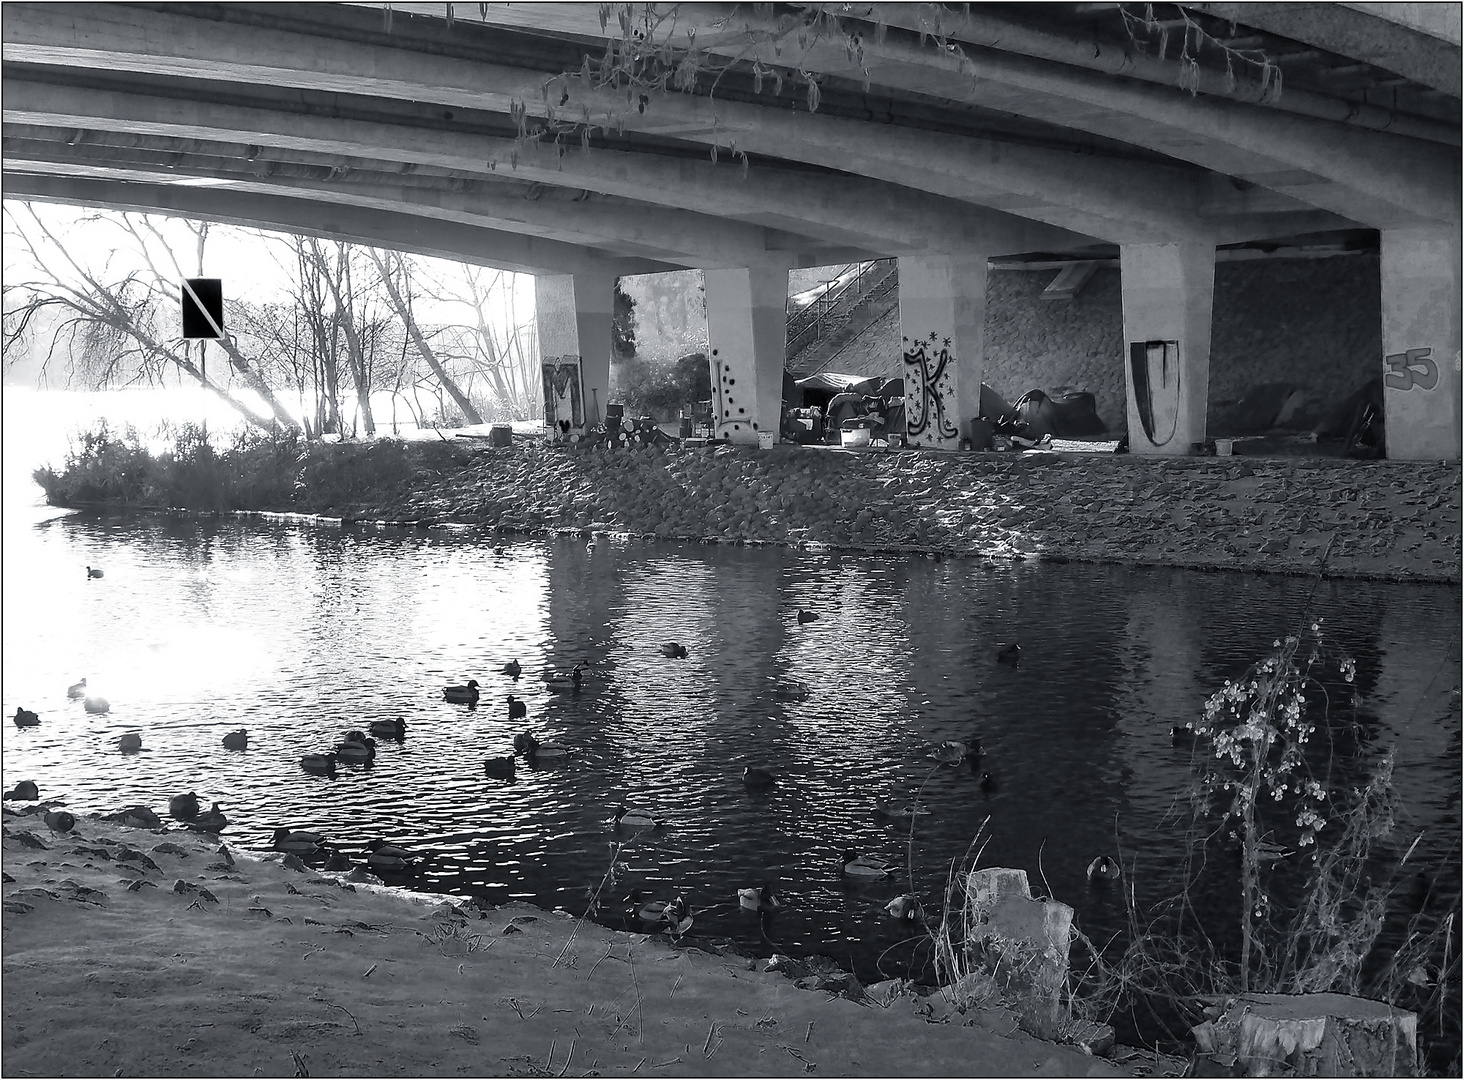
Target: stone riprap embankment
(1379, 519)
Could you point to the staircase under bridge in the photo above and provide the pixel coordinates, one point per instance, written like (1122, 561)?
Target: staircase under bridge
(855, 295)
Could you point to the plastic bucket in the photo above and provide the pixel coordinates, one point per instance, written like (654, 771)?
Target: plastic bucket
(767, 439)
(1224, 447)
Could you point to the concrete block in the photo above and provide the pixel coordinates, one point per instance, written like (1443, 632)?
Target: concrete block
(1311, 1035)
(1022, 943)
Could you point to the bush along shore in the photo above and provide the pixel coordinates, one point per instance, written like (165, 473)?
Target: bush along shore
(1375, 519)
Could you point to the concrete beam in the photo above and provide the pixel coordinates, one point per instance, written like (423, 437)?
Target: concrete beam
(375, 228)
(854, 212)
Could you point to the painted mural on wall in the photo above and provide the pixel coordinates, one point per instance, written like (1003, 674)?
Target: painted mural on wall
(930, 389)
(1414, 368)
(564, 396)
(731, 402)
(1154, 377)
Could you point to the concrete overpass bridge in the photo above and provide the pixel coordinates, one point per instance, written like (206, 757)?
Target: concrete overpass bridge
(581, 142)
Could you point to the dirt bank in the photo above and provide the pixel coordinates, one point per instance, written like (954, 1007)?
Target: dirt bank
(221, 965)
(1376, 519)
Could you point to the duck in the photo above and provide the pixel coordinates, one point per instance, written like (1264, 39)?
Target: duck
(1104, 868)
(59, 821)
(636, 819)
(674, 913)
(763, 899)
(210, 821)
(96, 704)
(1180, 733)
(339, 861)
(463, 695)
(357, 749)
(545, 753)
(26, 718)
(1009, 653)
(297, 842)
(865, 865)
(388, 729)
(988, 782)
(130, 743)
(674, 650)
(76, 689)
(513, 669)
(950, 752)
(904, 906)
(389, 859)
(758, 778)
(566, 684)
(807, 616)
(522, 741)
(323, 764)
(237, 740)
(790, 690)
(517, 710)
(94, 572)
(25, 791)
(500, 768)
(893, 810)
(183, 807)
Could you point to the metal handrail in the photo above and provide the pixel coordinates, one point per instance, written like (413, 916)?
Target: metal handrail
(823, 310)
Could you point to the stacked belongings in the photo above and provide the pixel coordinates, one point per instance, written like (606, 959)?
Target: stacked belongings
(1036, 415)
(622, 432)
(1357, 422)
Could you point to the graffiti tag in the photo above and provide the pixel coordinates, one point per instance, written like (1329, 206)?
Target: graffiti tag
(929, 407)
(1405, 374)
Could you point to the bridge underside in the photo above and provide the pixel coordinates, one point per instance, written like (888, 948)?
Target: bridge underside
(510, 136)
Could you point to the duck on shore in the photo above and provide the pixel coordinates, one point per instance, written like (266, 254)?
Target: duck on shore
(210, 821)
(24, 791)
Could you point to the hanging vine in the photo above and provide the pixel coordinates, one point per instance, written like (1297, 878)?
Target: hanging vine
(1150, 34)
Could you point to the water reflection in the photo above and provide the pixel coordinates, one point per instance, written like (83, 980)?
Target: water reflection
(299, 633)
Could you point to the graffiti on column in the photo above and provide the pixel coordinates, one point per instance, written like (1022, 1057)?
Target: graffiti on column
(729, 402)
(1410, 369)
(564, 398)
(929, 389)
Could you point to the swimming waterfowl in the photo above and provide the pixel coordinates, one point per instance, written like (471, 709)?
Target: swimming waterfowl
(763, 899)
(547, 753)
(674, 913)
(1180, 733)
(356, 750)
(297, 842)
(807, 616)
(25, 791)
(513, 669)
(388, 729)
(895, 810)
(865, 865)
(905, 906)
(522, 741)
(26, 718)
(130, 743)
(674, 650)
(96, 704)
(323, 764)
(950, 752)
(516, 708)
(94, 572)
(183, 807)
(988, 782)
(462, 694)
(76, 690)
(210, 821)
(388, 858)
(237, 740)
(500, 768)
(790, 690)
(1009, 654)
(566, 684)
(757, 778)
(636, 819)
(59, 821)
(1104, 868)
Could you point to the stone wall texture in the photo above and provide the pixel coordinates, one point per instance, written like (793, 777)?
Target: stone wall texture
(1315, 323)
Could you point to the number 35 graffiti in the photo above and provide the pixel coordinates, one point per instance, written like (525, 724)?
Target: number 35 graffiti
(1405, 373)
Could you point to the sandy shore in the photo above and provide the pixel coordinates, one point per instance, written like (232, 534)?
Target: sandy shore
(223, 965)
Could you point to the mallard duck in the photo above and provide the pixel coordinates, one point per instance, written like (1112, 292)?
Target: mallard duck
(865, 865)
(500, 768)
(674, 913)
(25, 791)
(513, 669)
(77, 689)
(462, 694)
(758, 778)
(59, 821)
(130, 743)
(790, 690)
(905, 906)
(548, 753)
(96, 704)
(763, 899)
(807, 616)
(387, 858)
(1009, 653)
(26, 718)
(566, 684)
(339, 861)
(388, 729)
(183, 807)
(1104, 868)
(950, 752)
(894, 810)
(636, 819)
(522, 741)
(94, 572)
(323, 764)
(517, 710)
(356, 751)
(210, 821)
(297, 842)
(237, 740)
(673, 650)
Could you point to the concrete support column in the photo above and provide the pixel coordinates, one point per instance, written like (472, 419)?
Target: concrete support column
(1168, 292)
(747, 326)
(943, 342)
(1419, 269)
(573, 314)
